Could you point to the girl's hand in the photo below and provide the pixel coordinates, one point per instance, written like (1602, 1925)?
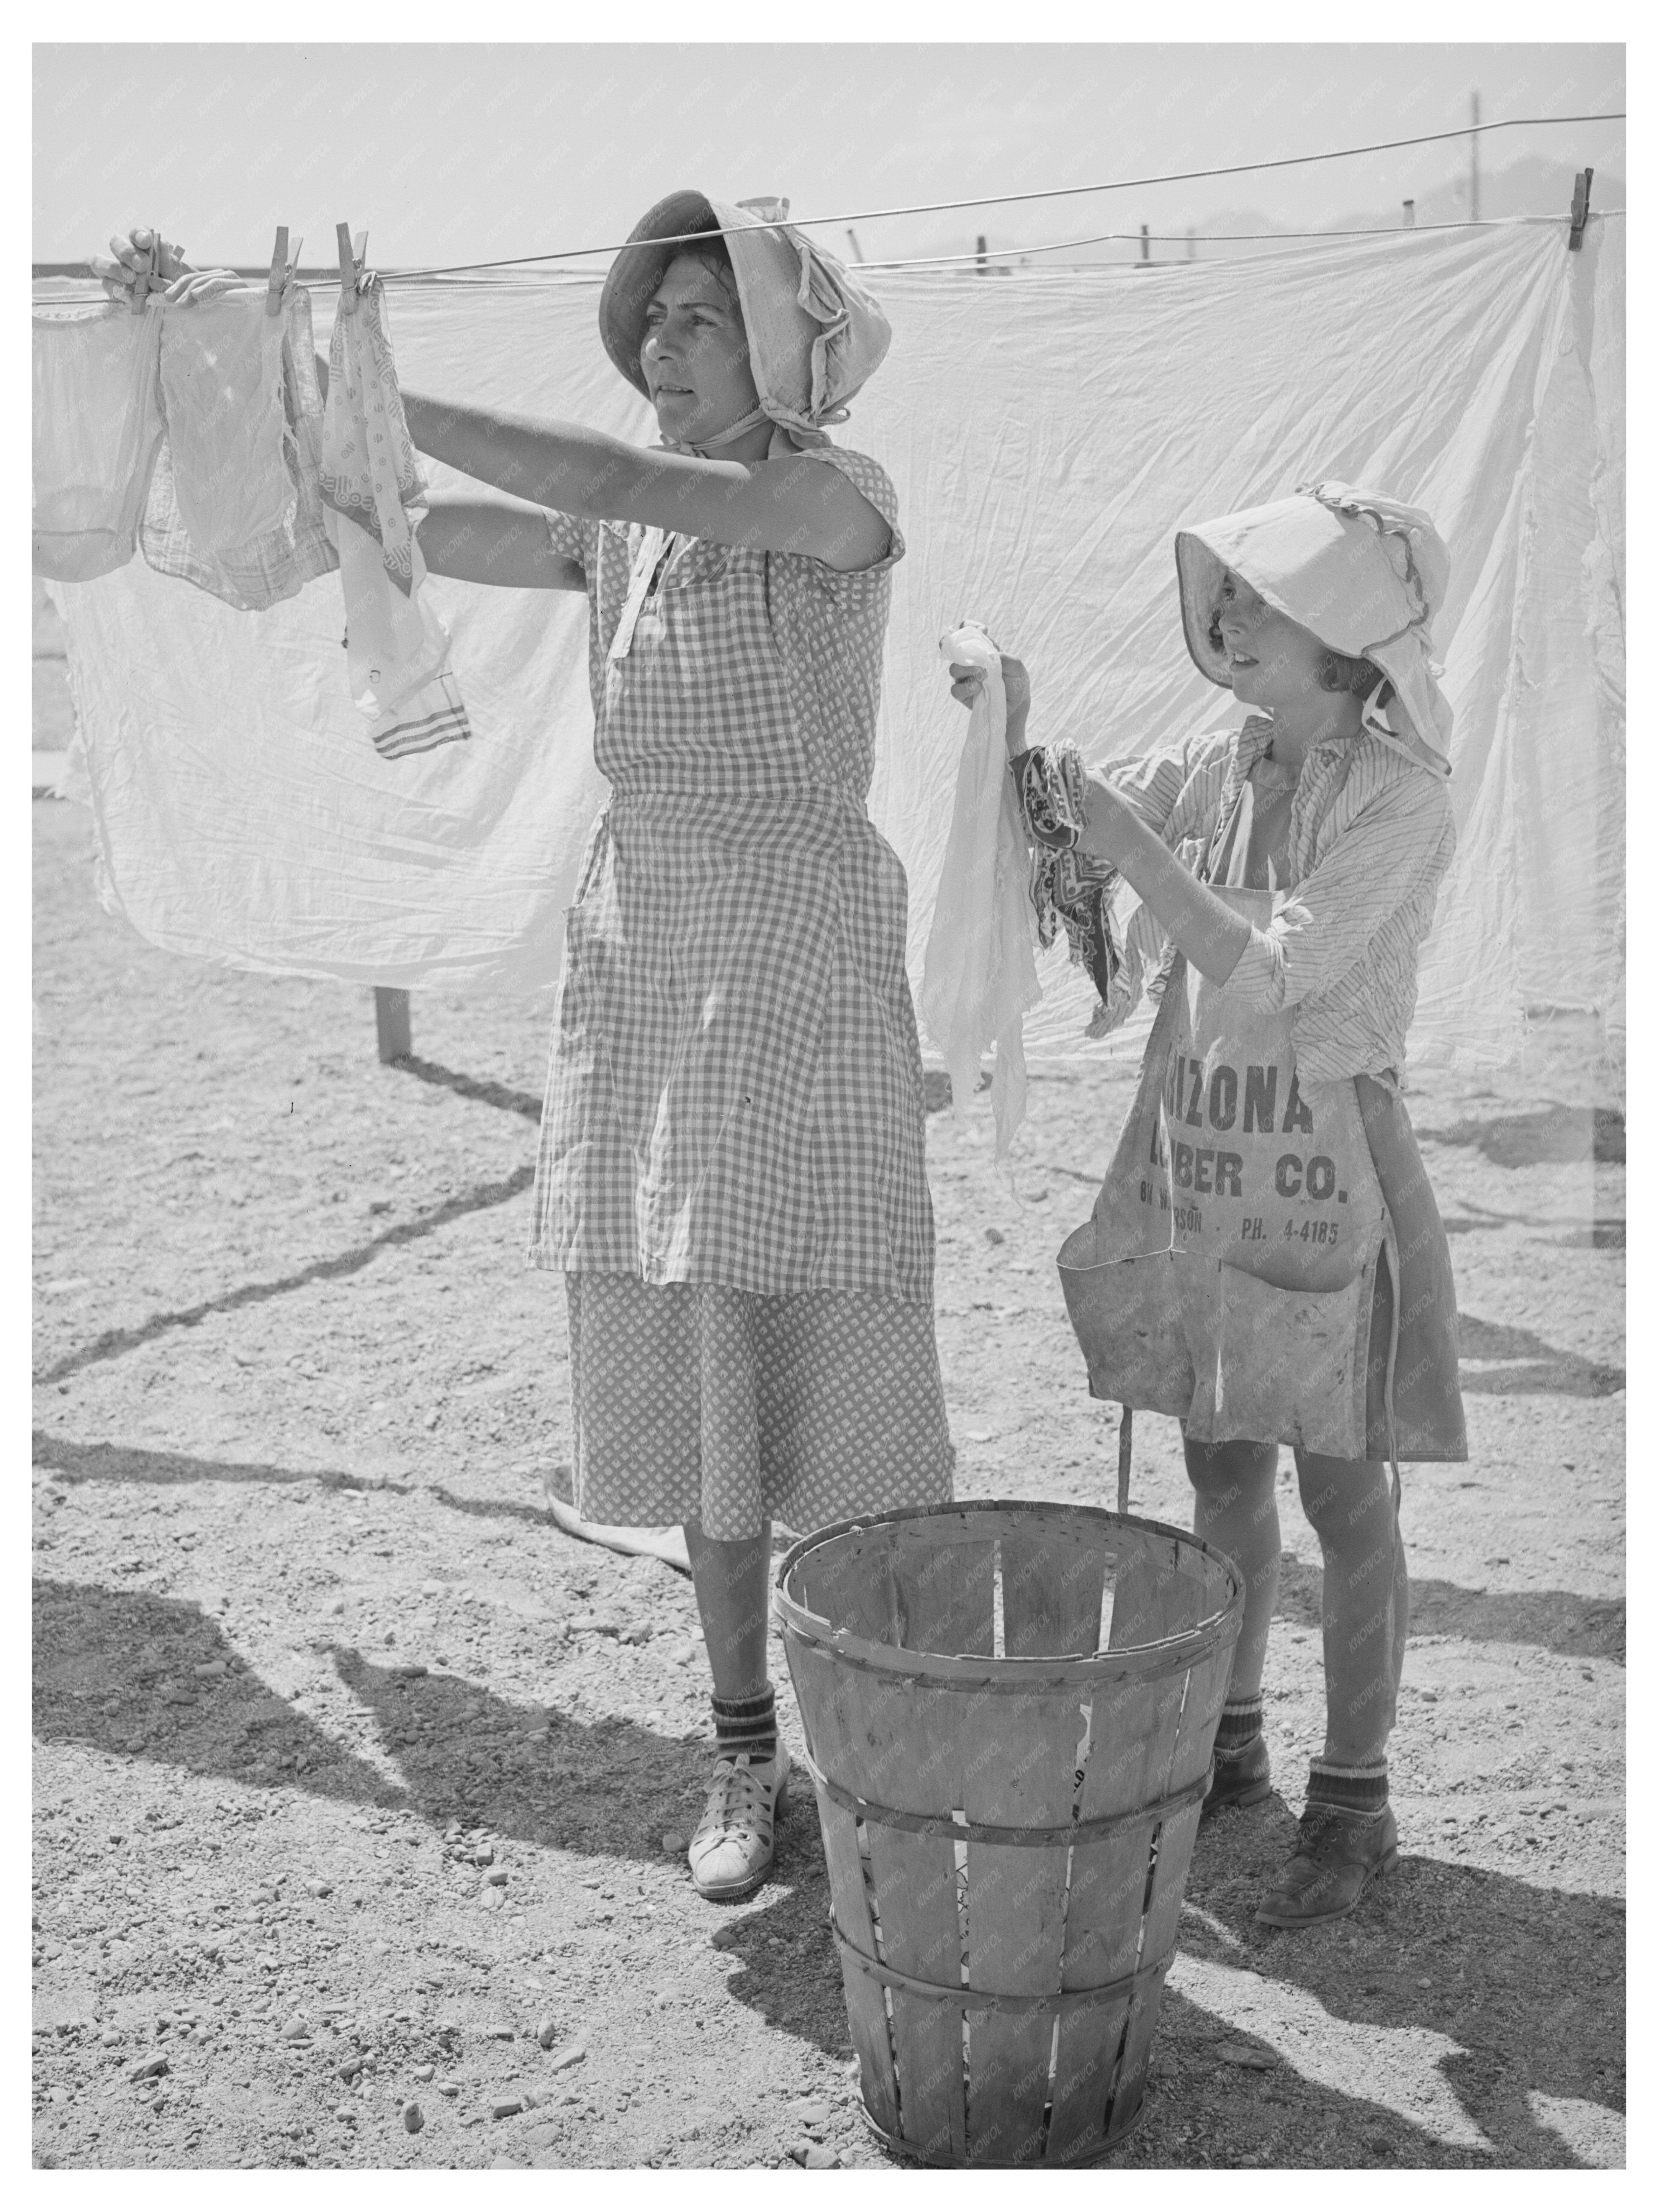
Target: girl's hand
(967, 682)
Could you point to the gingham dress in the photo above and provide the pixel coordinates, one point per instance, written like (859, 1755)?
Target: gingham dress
(731, 1170)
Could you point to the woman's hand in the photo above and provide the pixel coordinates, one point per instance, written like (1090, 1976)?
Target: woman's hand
(967, 682)
(128, 259)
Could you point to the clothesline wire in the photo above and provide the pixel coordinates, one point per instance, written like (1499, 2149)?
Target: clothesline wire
(1058, 191)
(1227, 238)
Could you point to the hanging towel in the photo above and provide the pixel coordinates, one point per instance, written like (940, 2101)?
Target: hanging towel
(235, 504)
(979, 980)
(397, 649)
(97, 430)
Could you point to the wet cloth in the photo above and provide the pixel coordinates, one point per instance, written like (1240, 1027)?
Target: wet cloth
(397, 647)
(1369, 838)
(235, 504)
(96, 433)
(692, 1401)
(980, 980)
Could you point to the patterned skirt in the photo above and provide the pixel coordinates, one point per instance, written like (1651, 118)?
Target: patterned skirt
(700, 1402)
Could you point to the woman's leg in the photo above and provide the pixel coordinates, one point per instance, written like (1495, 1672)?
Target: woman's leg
(731, 1853)
(732, 1597)
(1237, 1510)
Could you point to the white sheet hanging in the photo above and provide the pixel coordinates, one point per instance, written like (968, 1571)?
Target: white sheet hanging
(1047, 433)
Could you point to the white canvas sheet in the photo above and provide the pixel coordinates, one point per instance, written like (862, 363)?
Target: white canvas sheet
(1047, 433)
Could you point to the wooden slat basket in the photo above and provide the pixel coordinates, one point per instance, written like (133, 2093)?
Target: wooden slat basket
(1009, 1710)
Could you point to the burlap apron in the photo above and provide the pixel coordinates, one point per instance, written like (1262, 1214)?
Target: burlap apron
(1228, 1272)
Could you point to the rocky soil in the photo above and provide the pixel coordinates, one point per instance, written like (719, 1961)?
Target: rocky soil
(352, 1772)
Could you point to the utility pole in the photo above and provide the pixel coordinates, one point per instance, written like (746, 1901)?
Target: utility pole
(1473, 164)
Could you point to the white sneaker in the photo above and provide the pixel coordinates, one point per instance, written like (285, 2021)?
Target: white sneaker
(731, 1853)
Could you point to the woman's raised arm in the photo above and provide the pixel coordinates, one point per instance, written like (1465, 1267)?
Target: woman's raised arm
(792, 505)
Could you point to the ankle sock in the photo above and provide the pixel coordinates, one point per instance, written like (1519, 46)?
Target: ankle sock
(1240, 1724)
(1362, 1790)
(746, 1725)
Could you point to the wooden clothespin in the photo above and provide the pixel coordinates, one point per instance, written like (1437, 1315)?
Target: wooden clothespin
(1580, 209)
(281, 270)
(145, 277)
(352, 256)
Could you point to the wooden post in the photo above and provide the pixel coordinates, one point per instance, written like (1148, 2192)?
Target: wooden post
(1146, 241)
(983, 264)
(392, 1025)
(1410, 215)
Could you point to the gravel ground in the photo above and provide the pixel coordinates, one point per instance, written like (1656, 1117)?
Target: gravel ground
(351, 1772)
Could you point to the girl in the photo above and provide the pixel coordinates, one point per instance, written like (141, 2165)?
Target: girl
(732, 1173)
(1266, 1258)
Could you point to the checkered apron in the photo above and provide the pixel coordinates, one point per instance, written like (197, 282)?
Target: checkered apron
(731, 1172)
(735, 1088)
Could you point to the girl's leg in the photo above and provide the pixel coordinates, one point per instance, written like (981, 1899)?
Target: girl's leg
(731, 1853)
(1348, 1833)
(1235, 1509)
(1350, 1502)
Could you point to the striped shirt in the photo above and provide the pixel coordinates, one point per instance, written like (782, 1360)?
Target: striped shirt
(1371, 836)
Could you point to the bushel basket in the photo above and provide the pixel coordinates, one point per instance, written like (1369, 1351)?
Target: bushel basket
(1010, 1710)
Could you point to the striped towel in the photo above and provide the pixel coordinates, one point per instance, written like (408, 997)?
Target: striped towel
(397, 649)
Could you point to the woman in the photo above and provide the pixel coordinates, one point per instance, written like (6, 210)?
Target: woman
(1266, 1258)
(732, 1173)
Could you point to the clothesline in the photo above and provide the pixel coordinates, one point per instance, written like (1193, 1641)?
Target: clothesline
(323, 281)
(1058, 191)
(1221, 237)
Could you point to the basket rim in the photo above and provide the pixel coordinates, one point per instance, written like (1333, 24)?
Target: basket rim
(1038, 1670)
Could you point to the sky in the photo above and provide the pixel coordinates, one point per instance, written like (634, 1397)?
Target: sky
(459, 152)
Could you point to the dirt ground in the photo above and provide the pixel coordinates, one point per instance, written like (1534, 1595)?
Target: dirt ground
(351, 1771)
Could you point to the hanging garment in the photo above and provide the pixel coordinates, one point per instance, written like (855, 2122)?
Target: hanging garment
(1479, 373)
(397, 649)
(235, 504)
(980, 977)
(97, 428)
(1242, 1268)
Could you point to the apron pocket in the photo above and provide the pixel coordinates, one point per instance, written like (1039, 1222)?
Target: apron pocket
(1280, 1366)
(1127, 1314)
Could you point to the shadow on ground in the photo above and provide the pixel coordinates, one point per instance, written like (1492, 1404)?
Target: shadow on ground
(115, 1341)
(1546, 1367)
(1560, 1621)
(1525, 1983)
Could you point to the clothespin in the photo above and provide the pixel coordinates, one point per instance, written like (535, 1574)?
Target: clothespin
(351, 261)
(281, 270)
(1580, 209)
(145, 277)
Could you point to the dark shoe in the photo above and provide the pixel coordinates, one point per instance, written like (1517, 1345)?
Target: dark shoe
(1242, 1776)
(1338, 1855)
